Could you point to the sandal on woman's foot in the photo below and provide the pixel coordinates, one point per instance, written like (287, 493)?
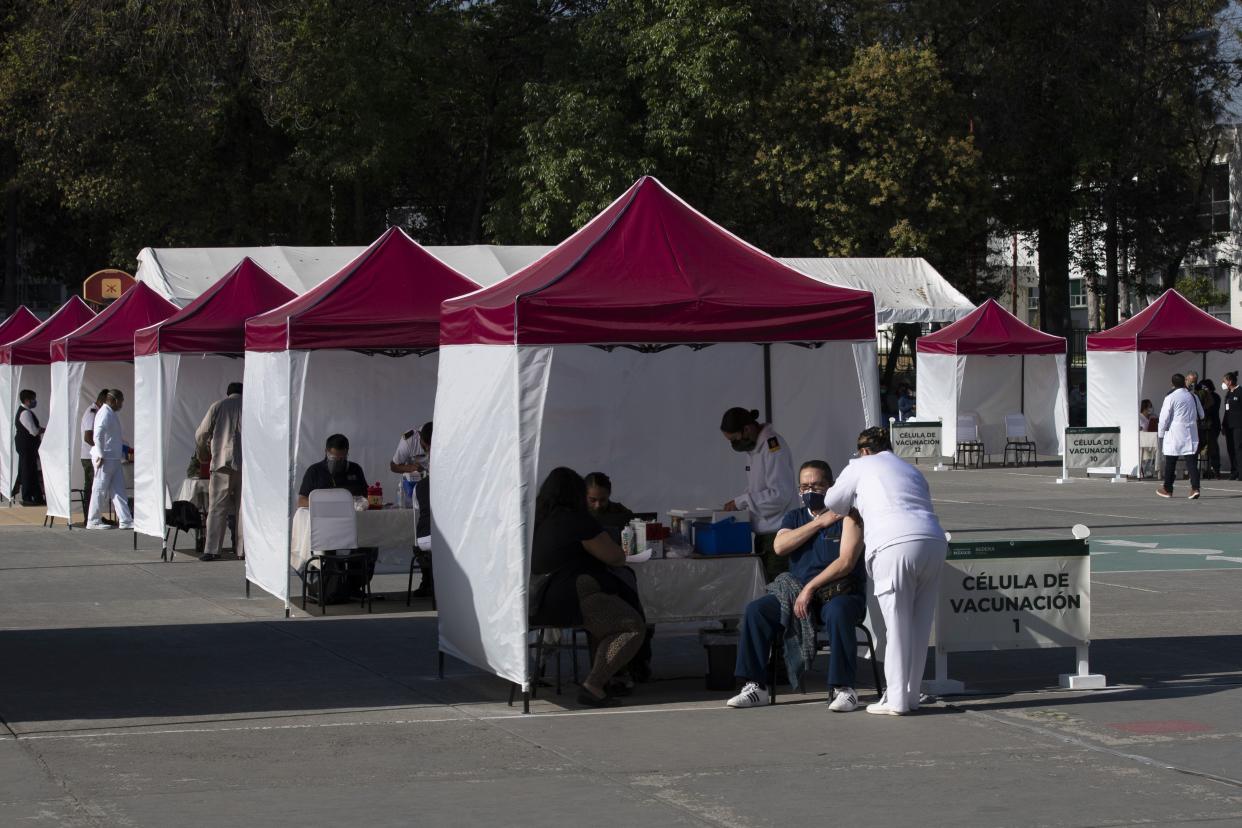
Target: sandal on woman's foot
(589, 699)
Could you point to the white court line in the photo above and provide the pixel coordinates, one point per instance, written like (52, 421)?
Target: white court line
(1201, 569)
(1037, 509)
(1123, 586)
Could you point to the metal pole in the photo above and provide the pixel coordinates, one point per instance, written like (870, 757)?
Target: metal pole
(767, 382)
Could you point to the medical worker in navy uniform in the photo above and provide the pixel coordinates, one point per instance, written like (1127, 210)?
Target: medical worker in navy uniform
(771, 487)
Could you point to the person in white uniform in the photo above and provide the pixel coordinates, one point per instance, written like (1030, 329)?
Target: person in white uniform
(107, 455)
(410, 461)
(1180, 414)
(771, 487)
(218, 441)
(87, 433)
(905, 552)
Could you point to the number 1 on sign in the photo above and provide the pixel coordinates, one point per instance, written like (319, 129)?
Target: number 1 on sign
(1015, 626)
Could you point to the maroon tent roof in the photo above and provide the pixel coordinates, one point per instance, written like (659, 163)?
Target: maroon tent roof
(35, 347)
(215, 322)
(651, 269)
(387, 298)
(990, 330)
(19, 323)
(1171, 323)
(109, 337)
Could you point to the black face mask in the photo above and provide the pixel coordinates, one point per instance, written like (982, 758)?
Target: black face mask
(813, 500)
(337, 465)
(743, 444)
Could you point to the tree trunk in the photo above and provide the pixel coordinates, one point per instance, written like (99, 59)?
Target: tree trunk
(902, 332)
(10, 248)
(1110, 256)
(361, 236)
(1124, 283)
(1054, 250)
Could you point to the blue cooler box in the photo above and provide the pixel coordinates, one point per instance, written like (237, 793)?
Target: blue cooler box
(725, 537)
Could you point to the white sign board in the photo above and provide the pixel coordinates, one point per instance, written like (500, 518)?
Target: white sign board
(1014, 595)
(913, 439)
(1088, 448)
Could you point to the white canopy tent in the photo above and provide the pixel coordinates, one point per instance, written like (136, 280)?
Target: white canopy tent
(619, 350)
(182, 366)
(17, 325)
(906, 289)
(355, 355)
(1135, 361)
(97, 355)
(991, 364)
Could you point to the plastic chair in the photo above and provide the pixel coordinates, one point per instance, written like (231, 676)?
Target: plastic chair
(778, 653)
(1018, 441)
(333, 530)
(1149, 452)
(969, 447)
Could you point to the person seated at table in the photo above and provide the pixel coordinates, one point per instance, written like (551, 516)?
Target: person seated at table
(334, 471)
(826, 579)
(609, 513)
(571, 579)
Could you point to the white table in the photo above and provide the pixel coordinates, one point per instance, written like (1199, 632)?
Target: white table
(376, 527)
(194, 490)
(698, 589)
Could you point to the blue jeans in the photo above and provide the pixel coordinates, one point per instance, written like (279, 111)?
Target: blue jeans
(762, 624)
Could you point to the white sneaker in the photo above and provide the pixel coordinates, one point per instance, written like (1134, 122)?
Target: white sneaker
(752, 695)
(100, 526)
(844, 700)
(126, 526)
(881, 708)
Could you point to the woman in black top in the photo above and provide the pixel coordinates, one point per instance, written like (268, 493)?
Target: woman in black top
(574, 552)
(1209, 433)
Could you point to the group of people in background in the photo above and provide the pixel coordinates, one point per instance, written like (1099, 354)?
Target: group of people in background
(1191, 420)
(820, 540)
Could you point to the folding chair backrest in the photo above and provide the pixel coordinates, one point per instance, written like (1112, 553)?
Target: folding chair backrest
(1016, 427)
(967, 428)
(333, 521)
(1147, 440)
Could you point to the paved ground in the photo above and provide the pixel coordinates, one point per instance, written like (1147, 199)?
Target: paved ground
(136, 693)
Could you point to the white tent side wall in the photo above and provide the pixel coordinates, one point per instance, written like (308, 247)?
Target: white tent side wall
(488, 414)
(151, 373)
(13, 379)
(267, 468)
(940, 377)
(1113, 396)
(58, 453)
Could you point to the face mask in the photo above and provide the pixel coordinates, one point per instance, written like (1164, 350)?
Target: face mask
(742, 445)
(1224, 387)
(32, 405)
(813, 500)
(336, 465)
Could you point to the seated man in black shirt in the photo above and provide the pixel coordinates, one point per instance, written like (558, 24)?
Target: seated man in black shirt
(334, 471)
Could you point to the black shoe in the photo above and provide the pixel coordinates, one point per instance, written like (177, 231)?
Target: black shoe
(585, 697)
(619, 688)
(641, 673)
(424, 591)
(209, 556)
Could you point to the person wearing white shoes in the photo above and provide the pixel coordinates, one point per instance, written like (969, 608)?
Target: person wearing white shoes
(1180, 414)
(826, 580)
(905, 553)
(107, 455)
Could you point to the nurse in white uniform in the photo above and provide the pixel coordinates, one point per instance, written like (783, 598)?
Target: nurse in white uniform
(771, 487)
(108, 454)
(1180, 414)
(905, 552)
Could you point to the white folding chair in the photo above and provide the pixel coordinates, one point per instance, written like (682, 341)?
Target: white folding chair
(1018, 440)
(333, 543)
(1149, 449)
(969, 446)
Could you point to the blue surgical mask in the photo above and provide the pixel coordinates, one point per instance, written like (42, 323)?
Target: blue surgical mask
(813, 500)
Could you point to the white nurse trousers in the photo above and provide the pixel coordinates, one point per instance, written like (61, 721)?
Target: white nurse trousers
(906, 576)
(109, 483)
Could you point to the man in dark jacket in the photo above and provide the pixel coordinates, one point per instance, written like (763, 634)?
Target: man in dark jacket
(1231, 421)
(26, 437)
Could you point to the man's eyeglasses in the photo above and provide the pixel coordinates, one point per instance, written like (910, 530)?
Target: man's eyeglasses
(812, 487)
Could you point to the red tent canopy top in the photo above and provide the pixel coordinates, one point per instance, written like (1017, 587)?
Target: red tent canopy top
(652, 269)
(19, 323)
(386, 299)
(35, 347)
(1171, 323)
(109, 337)
(990, 330)
(215, 322)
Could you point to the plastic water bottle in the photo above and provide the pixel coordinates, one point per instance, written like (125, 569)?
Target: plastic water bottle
(627, 540)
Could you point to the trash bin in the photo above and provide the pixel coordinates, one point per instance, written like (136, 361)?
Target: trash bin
(721, 649)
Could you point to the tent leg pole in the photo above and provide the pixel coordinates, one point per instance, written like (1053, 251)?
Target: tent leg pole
(440, 659)
(525, 702)
(767, 382)
(247, 587)
(164, 550)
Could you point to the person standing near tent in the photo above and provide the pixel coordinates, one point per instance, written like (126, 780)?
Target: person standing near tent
(422, 498)
(905, 551)
(27, 432)
(771, 487)
(218, 442)
(410, 461)
(1180, 414)
(88, 442)
(107, 454)
(1231, 420)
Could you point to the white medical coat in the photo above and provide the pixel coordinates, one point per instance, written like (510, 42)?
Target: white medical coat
(771, 488)
(1179, 423)
(109, 437)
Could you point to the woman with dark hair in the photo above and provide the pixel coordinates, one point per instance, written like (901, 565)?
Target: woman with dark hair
(610, 513)
(1209, 430)
(905, 550)
(573, 554)
(771, 486)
